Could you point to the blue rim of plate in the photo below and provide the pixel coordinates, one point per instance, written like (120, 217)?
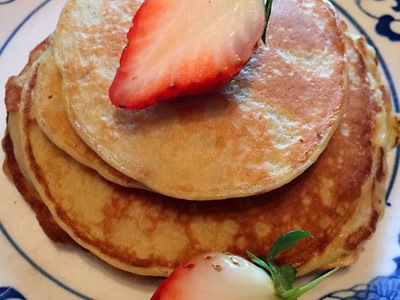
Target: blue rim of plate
(338, 7)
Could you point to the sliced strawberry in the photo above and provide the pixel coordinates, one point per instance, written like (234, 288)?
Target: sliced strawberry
(216, 276)
(180, 48)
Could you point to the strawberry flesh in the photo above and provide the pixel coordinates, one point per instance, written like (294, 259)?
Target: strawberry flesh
(182, 48)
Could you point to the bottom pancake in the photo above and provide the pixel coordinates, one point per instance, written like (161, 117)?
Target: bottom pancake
(339, 199)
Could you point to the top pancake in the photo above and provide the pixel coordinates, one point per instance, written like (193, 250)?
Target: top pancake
(259, 132)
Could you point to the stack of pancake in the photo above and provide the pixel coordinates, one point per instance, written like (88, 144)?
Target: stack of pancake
(297, 140)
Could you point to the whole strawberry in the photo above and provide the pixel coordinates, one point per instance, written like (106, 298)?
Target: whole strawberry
(180, 48)
(220, 276)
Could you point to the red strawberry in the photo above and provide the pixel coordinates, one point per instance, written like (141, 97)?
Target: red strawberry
(217, 276)
(180, 48)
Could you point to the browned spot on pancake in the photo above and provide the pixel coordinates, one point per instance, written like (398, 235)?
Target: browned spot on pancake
(363, 233)
(116, 211)
(381, 171)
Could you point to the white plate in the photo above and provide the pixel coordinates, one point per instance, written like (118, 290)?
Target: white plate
(32, 267)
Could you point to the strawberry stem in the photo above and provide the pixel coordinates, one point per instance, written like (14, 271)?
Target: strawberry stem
(297, 291)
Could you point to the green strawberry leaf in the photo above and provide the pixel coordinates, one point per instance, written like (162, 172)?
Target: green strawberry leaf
(286, 241)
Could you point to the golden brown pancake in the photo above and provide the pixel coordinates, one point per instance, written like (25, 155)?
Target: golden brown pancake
(256, 134)
(340, 198)
(52, 119)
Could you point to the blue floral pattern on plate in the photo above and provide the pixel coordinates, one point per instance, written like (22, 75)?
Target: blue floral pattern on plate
(379, 288)
(386, 20)
(5, 2)
(7, 293)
